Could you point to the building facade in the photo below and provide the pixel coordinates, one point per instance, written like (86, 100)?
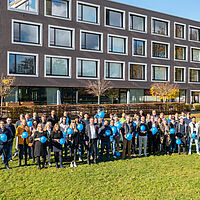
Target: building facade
(58, 45)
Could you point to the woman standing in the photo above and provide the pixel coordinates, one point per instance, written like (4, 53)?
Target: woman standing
(165, 136)
(40, 148)
(57, 147)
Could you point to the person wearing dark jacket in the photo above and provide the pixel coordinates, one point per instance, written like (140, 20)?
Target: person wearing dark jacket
(35, 118)
(68, 120)
(57, 147)
(91, 132)
(4, 145)
(173, 125)
(40, 149)
(105, 139)
(52, 118)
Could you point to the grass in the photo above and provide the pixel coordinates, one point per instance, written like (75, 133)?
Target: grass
(159, 177)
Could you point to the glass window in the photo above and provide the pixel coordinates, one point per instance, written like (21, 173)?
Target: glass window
(114, 70)
(90, 41)
(57, 66)
(179, 74)
(117, 44)
(137, 72)
(196, 55)
(179, 31)
(180, 53)
(194, 75)
(22, 64)
(87, 68)
(26, 33)
(24, 5)
(194, 34)
(60, 37)
(58, 8)
(160, 73)
(138, 47)
(160, 27)
(87, 13)
(160, 50)
(137, 23)
(114, 18)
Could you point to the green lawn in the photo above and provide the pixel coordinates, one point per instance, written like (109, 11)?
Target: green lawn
(159, 177)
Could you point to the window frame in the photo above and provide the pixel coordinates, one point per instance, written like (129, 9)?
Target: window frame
(92, 32)
(186, 51)
(158, 65)
(88, 59)
(88, 4)
(114, 61)
(177, 23)
(29, 23)
(192, 47)
(26, 54)
(160, 19)
(180, 67)
(195, 27)
(135, 63)
(139, 15)
(159, 42)
(189, 68)
(54, 56)
(57, 17)
(145, 46)
(63, 28)
(115, 10)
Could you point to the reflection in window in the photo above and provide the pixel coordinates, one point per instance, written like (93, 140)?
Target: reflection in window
(160, 50)
(60, 37)
(117, 44)
(160, 73)
(58, 8)
(196, 55)
(179, 31)
(114, 18)
(26, 33)
(194, 75)
(24, 5)
(194, 34)
(160, 27)
(87, 68)
(137, 72)
(139, 47)
(90, 41)
(57, 66)
(22, 64)
(87, 13)
(114, 70)
(180, 53)
(137, 23)
(179, 74)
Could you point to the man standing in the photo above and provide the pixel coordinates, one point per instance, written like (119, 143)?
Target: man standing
(52, 118)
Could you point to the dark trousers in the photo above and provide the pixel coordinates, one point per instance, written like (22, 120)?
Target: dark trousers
(4, 151)
(126, 146)
(57, 156)
(23, 150)
(73, 149)
(152, 143)
(43, 160)
(92, 145)
(134, 145)
(105, 144)
(32, 153)
(183, 143)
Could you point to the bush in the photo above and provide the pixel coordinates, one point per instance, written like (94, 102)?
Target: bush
(188, 107)
(196, 106)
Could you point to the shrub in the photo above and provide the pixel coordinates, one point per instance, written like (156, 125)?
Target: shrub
(196, 106)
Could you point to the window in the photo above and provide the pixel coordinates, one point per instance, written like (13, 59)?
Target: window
(57, 66)
(22, 64)
(194, 34)
(25, 32)
(91, 41)
(87, 68)
(137, 72)
(29, 6)
(160, 27)
(139, 47)
(114, 70)
(195, 54)
(180, 52)
(179, 74)
(137, 22)
(194, 75)
(160, 50)
(61, 37)
(58, 8)
(160, 73)
(115, 18)
(180, 31)
(88, 13)
(117, 44)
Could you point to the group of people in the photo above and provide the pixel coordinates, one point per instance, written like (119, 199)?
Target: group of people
(95, 136)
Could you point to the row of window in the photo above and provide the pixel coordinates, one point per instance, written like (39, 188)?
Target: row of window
(61, 37)
(90, 13)
(22, 64)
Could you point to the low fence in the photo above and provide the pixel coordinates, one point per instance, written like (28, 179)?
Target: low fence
(167, 108)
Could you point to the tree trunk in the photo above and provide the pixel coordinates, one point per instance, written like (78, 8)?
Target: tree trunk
(99, 97)
(1, 105)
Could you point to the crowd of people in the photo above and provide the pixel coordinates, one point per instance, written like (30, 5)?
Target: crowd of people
(91, 137)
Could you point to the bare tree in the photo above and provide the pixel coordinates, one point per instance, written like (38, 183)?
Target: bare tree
(98, 88)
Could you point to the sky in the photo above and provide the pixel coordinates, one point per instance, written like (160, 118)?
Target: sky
(182, 8)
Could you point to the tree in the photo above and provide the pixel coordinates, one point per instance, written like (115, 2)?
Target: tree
(98, 88)
(164, 91)
(113, 94)
(5, 86)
